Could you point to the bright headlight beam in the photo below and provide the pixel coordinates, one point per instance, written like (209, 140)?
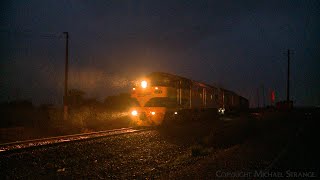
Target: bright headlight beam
(144, 84)
(134, 113)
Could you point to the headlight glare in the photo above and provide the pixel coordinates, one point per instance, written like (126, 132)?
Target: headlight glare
(144, 84)
(134, 113)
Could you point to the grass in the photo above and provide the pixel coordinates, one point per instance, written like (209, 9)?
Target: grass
(50, 122)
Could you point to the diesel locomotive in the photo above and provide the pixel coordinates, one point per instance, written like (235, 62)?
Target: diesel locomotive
(160, 95)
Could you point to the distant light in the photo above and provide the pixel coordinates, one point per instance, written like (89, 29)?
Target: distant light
(134, 113)
(156, 88)
(273, 96)
(176, 112)
(134, 89)
(144, 84)
(153, 113)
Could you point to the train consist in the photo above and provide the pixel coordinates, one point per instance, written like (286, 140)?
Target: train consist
(161, 95)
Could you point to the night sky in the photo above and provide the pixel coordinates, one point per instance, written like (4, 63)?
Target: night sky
(239, 45)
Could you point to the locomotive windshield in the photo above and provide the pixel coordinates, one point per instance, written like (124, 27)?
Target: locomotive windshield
(163, 82)
(162, 79)
(162, 102)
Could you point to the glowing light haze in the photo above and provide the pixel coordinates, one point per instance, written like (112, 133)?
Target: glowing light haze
(240, 45)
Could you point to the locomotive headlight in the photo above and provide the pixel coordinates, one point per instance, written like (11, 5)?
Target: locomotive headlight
(221, 110)
(153, 113)
(134, 113)
(144, 84)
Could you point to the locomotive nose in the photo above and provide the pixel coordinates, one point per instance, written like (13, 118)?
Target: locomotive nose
(143, 116)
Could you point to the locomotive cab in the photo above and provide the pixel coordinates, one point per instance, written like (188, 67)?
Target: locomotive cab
(157, 96)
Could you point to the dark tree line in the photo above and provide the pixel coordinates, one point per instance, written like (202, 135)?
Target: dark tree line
(25, 113)
(123, 101)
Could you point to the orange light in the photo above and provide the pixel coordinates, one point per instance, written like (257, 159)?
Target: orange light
(133, 89)
(153, 113)
(156, 88)
(273, 96)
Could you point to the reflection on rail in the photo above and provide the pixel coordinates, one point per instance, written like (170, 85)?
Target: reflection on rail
(62, 139)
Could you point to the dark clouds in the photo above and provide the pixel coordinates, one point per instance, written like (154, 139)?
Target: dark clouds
(238, 44)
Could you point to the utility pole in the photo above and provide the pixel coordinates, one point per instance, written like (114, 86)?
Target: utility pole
(65, 97)
(263, 97)
(288, 78)
(258, 97)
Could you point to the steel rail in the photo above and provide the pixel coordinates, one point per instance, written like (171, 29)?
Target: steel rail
(64, 139)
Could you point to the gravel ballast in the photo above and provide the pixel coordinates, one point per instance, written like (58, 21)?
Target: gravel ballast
(198, 150)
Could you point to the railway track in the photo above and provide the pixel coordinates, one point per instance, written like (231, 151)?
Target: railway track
(19, 145)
